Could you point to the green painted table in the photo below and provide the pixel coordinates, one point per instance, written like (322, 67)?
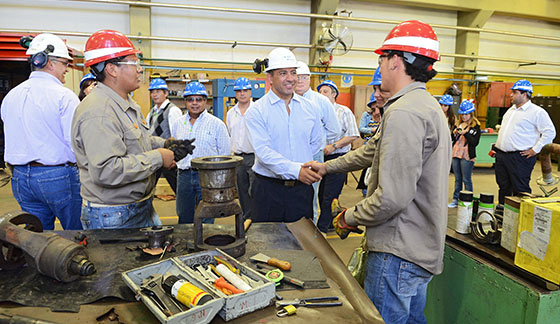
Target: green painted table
(483, 147)
(472, 289)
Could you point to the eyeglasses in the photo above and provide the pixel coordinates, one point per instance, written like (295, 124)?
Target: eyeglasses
(197, 99)
(67, 63)
(381, 58)
(137, 63)
(303, 77)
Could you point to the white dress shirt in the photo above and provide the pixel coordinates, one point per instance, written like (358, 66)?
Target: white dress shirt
(348, 127)
(174, 113)
(325, 109)
(282, 141)
(238, 130)
(37, 117)
(526, 127)
(211, 136)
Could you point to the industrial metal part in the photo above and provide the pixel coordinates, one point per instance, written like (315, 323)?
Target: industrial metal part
(217, 180)
(487, 232)
(157, 235)
(49, 253)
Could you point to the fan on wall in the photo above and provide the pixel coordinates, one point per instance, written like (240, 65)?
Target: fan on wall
(336, 39)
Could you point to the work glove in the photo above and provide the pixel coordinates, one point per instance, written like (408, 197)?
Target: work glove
(180, 148)
(343, 229)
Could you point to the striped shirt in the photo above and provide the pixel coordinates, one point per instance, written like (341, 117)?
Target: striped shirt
(348, 127)
(211, 136)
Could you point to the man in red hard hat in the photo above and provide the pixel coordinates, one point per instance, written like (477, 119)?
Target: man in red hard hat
(116, 155)
(405, 210)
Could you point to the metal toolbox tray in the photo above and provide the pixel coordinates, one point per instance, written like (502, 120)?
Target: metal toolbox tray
(199, 314)
(236, 305)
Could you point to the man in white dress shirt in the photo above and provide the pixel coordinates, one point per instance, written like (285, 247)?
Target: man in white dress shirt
(285, 132)
(526, 128)
(240, 144)
(211, 137)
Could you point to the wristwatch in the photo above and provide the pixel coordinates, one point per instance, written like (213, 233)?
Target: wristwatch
(334, 145)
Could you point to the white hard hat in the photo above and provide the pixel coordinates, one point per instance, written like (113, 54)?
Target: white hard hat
(302, 68)
(41, 41)
(281, 58)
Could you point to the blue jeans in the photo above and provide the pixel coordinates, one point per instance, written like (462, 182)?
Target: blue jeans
(49, 193)
(134, 215)
(189, 195)
(462, 169)
(396, 287)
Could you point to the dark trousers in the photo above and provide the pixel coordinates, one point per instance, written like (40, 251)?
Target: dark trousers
(513, 173)
(329, 189)
(170, 176)
(245, 179)
(274, 201)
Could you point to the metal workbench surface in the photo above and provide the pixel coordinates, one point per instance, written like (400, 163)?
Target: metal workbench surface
(111, 259)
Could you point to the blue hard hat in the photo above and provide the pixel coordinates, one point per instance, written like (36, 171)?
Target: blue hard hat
(157, 84)
(376, 80)
(371, 99)
(242, 84)
(523, 85)
(466, 107)
(330, 84)
(195, 88)
(86, 77)
(446, 100)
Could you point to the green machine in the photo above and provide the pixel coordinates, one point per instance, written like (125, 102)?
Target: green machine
(474, 289)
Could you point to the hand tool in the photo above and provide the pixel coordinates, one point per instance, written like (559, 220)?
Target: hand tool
(284, 265)
(283, 276)
(165, 246)
(275, 275)
(219, 282)
(152, 287)
(310, 302)
(221, 260)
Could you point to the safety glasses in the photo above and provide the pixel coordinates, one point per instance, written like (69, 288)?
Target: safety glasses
(136, 63)
(193, 99)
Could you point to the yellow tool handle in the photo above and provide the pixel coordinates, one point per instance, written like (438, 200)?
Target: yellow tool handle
(284, 265)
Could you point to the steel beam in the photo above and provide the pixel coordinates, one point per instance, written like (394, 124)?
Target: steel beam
(140, 24)
(467, 42)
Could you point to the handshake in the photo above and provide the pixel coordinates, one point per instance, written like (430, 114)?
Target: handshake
(180, 148)
(311, 172)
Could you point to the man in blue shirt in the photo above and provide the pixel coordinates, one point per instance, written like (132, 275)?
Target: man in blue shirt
(284, 131)
(37, 117)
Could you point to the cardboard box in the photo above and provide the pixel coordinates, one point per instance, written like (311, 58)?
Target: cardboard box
(538, 247)
(510, 224)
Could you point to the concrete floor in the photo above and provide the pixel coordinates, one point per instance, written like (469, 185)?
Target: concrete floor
(483, 181)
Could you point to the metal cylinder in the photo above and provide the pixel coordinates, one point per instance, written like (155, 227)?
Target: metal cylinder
(217, 177)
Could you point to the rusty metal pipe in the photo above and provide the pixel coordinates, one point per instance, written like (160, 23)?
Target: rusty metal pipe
(548, 178)
(311, 239)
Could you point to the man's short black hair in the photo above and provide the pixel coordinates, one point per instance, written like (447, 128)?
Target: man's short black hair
(421, 69)
(98, 70)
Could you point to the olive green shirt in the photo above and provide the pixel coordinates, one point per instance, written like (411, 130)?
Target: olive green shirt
(405, 209)
(114, 150)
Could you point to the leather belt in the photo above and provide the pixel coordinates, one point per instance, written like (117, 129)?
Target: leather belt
(242, 154)
(37, 164)
(286, 183)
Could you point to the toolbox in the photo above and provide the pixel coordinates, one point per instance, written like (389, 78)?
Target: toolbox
(261, 294)
(239, 304)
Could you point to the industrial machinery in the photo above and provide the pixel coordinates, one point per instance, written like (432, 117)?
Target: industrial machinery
(217, 180)
(22, 241)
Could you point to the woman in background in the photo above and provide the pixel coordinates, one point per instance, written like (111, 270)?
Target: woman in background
(466, 136)
(87, 83)
(446, 101)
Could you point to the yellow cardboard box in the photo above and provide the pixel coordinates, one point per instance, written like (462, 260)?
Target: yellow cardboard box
(538, 247)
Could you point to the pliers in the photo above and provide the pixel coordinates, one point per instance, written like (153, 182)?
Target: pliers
(310, 302)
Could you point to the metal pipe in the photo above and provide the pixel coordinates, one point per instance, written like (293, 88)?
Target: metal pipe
(313, 15)
(268, 44)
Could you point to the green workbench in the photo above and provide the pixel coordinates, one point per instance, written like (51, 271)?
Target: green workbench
(483, 147)
(472, 289)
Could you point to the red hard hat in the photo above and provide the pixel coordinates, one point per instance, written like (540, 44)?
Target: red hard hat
(106, 44)
(412, 36)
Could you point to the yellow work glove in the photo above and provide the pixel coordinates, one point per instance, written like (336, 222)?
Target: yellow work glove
(343, 229)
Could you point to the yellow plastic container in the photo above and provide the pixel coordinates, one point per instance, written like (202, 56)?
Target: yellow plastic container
(538, 247)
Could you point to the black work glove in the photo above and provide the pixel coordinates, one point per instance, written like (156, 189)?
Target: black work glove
(180, 148)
